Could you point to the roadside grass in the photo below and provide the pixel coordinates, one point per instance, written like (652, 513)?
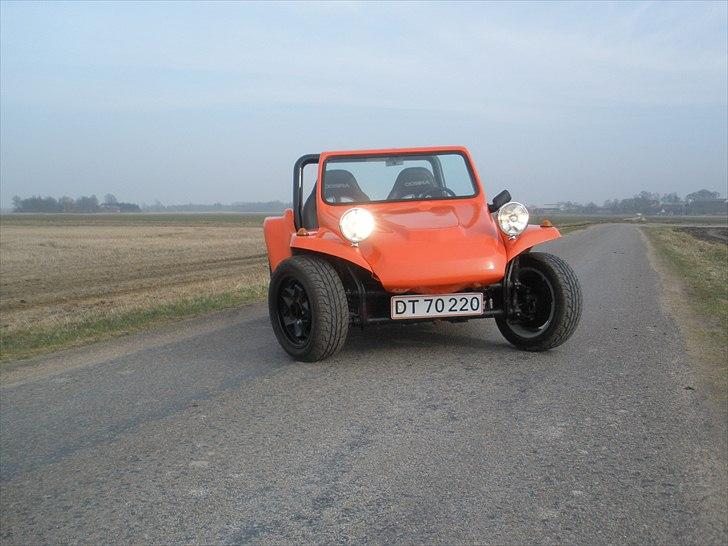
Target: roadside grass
(35, 341)
(576, 221)
(714, 220)
(701, 268)
(568, 228)
(568, 223)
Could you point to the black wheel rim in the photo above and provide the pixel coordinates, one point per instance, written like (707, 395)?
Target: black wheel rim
(294, 311)
(536, 303)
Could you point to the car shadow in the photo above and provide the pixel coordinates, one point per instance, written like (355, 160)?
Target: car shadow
(434, 337)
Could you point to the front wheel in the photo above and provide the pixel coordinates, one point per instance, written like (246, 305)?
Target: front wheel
(308, 308)
(546, 303)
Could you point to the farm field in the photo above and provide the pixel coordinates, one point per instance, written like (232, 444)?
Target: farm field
(70, 279)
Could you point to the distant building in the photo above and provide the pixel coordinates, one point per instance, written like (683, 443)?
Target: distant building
(673, 209)
(561, 206)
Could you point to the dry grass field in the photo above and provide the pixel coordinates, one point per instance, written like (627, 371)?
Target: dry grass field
(70, 279)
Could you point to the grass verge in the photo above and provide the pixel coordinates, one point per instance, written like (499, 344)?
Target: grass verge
(566, 224)
(694, 275)
(568, 228)
(701, 268)
(32, 342)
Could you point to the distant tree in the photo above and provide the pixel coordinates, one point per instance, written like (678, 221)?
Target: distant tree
(66, 204)
(672, 198)
(627, 205)
(702, 195)
(128, 207)
(110, 199)
(644, 202)
(590, 207)
(87, 204)
(36, 204)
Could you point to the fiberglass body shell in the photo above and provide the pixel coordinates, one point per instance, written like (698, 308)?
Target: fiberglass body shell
(427, 246)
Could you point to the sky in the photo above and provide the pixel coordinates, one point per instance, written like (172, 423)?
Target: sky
(213, 102)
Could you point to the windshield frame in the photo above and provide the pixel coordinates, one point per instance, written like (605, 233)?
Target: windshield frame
(426, 155)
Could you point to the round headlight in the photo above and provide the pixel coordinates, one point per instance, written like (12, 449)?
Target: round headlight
(512, 218)
(356, 224)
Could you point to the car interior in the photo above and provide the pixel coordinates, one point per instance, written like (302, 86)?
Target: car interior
(342, 187)
(412, 182)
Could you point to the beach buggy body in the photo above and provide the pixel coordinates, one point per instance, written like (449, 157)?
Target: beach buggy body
(407, 235)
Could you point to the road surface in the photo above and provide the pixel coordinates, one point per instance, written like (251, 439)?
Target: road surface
(206, 432)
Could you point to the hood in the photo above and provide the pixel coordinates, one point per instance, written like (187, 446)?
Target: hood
(435, 247)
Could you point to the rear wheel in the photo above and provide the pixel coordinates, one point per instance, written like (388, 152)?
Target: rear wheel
(308, 308)
(546, 303)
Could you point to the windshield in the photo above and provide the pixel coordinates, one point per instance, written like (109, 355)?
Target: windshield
(396, 178)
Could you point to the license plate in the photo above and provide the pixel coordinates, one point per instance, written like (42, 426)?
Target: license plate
(442, 305)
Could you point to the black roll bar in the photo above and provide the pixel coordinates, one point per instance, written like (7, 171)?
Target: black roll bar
(301, 162)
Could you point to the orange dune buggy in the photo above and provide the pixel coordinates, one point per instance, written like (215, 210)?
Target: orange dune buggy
(407, 235)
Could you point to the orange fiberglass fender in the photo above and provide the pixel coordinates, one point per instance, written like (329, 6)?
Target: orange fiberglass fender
(277, 231)
(532, 236)
(324, 241)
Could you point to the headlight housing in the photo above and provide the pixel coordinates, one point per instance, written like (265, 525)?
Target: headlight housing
(356, 224)
(512, 219)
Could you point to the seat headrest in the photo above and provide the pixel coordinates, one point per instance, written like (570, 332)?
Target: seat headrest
(412, 181)
(341, 184)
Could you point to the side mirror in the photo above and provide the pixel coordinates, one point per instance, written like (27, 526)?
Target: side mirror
(499, 200)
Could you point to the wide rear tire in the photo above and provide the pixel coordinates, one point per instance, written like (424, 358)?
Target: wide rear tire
(551, 289)
(308, 308)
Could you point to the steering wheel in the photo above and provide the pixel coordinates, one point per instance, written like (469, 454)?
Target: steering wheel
(438, 192)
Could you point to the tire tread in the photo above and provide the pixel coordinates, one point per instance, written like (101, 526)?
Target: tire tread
(570, 297)
(328, 300)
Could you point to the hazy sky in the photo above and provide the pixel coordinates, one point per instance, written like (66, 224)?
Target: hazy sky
(214, 102)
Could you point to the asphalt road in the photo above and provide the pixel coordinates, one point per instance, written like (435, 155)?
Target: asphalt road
(207, 433)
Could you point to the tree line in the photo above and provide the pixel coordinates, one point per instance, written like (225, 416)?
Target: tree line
(87, 204)
(257, 206)
(69, 204)
(698, 202)
(645, 202)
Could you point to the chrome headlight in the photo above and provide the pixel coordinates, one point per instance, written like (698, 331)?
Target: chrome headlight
(512, 219)
(356, 224)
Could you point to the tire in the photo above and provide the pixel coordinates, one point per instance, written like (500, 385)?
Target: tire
(550, 285)
(308, 308)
